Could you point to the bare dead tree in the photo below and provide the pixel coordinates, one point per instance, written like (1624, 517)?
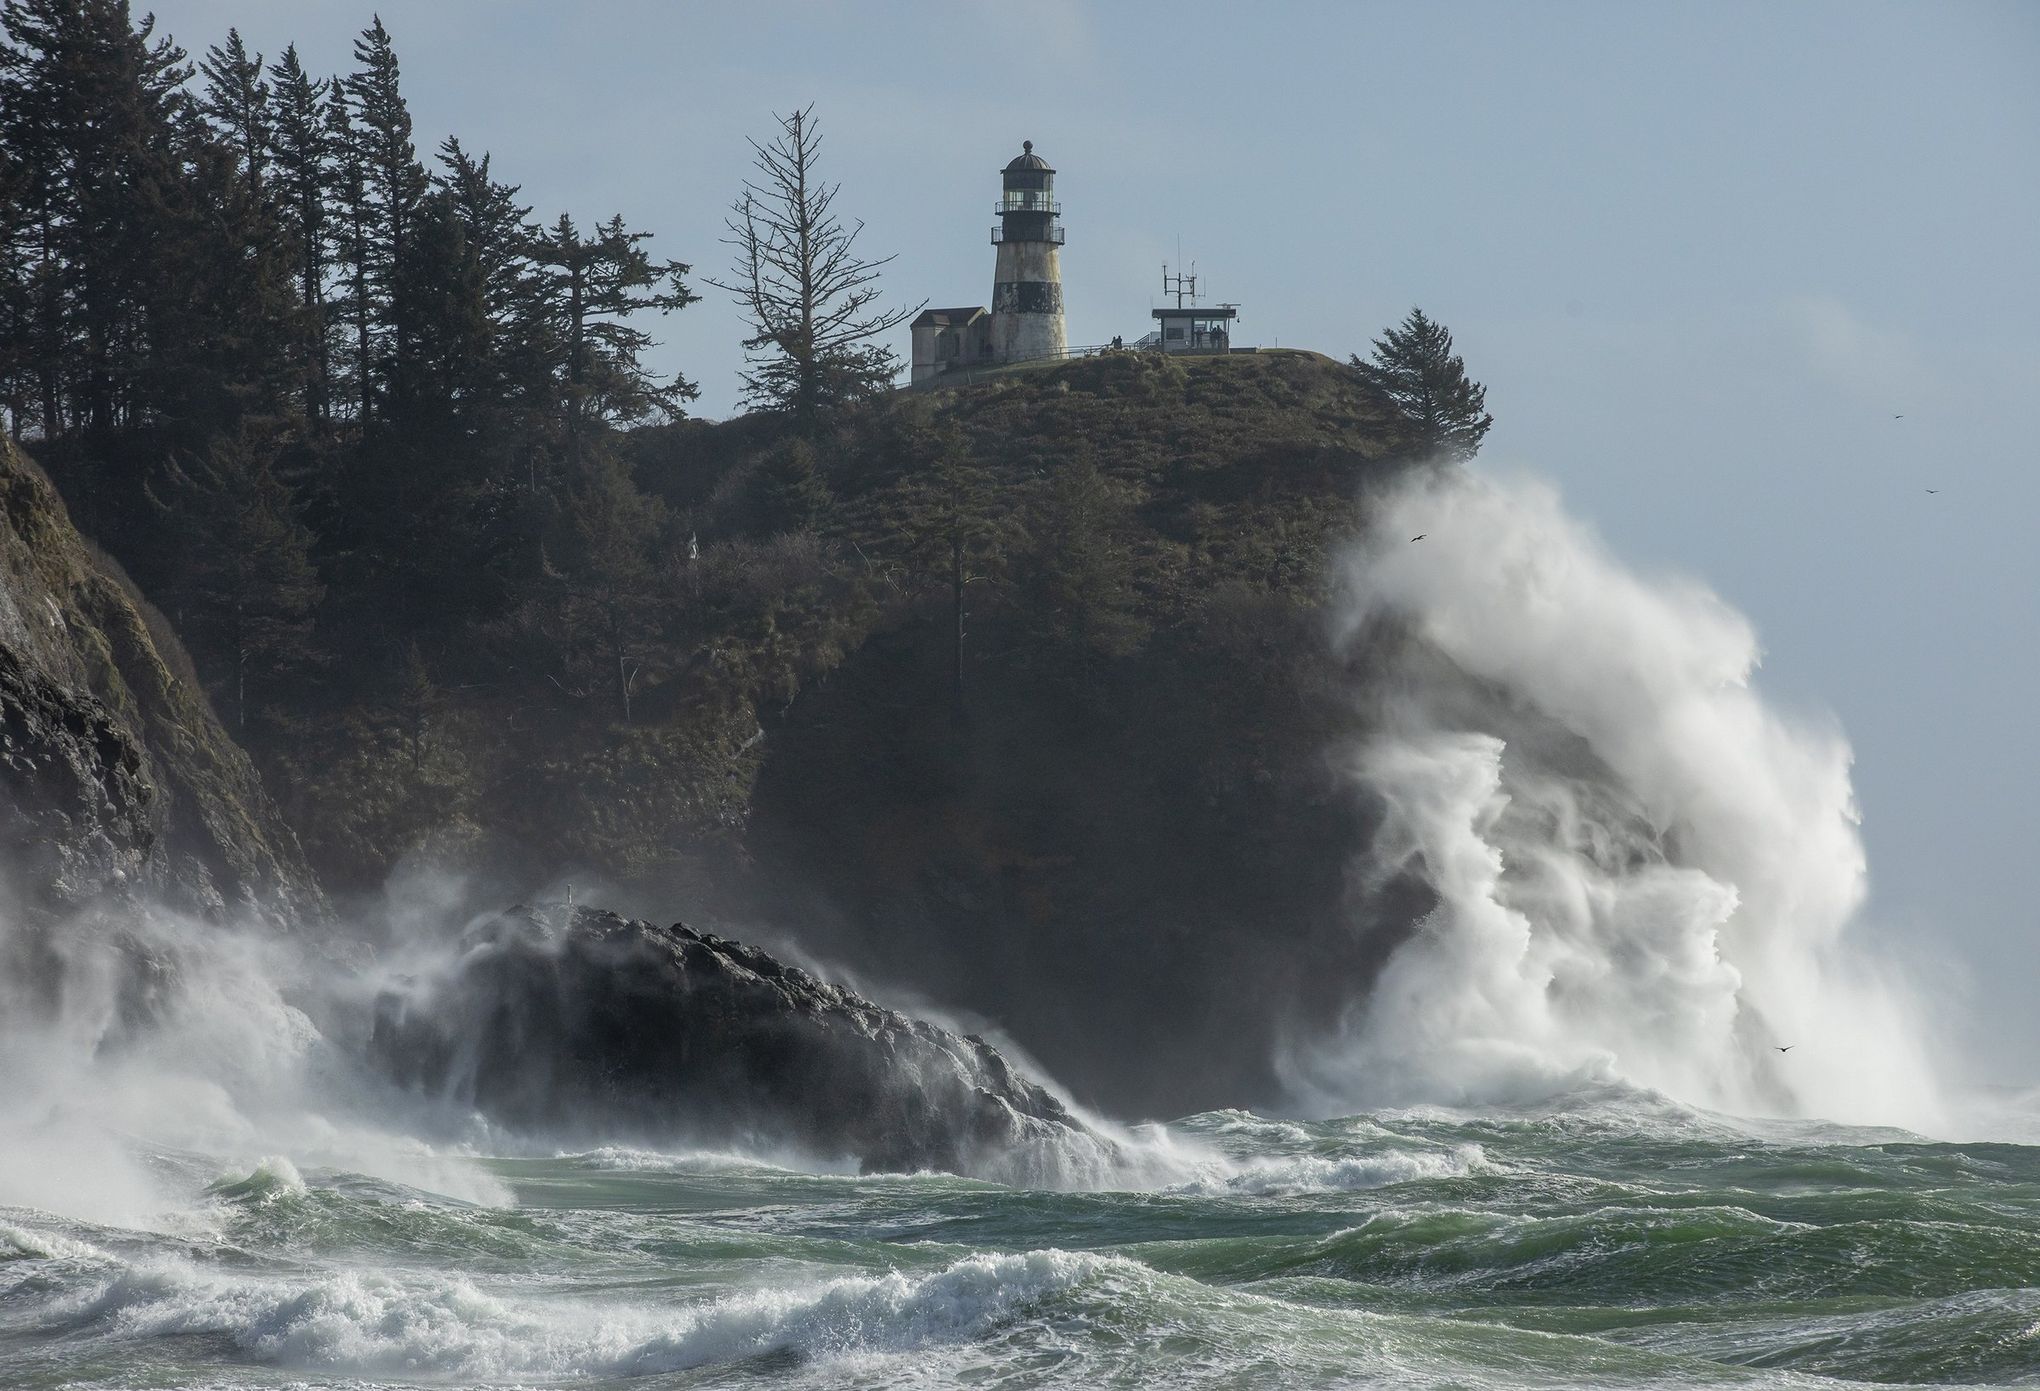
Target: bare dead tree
(810, 298)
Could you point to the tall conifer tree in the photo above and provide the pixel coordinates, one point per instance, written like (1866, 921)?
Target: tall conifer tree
(354, 242)
(237, 99)
(303, 183)
(596, 284)
(94, 109)
(1415, 367)
(507, 382)
(246, 586)
(393, 185)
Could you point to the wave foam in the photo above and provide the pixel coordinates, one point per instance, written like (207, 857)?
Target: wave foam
(632, 1160)
(21, 1243)
(1301, 1175)
(382, 1323)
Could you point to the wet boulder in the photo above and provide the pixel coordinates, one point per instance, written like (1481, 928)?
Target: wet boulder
(573, 1022)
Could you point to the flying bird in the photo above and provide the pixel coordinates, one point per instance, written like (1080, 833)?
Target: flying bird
(1898, 417)
(1785, 1048)
(1933, 490)
(1419, 536)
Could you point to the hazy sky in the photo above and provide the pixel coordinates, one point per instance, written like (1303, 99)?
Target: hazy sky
(1702, 255)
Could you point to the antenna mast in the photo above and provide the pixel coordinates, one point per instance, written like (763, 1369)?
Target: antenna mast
(1179, 284)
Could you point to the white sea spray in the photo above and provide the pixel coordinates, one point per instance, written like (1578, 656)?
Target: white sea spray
(1643, 871)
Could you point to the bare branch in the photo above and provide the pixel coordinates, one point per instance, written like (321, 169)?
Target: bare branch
(807, 292)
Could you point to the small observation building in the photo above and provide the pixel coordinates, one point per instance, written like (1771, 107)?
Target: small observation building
(1194, 329)
(1187, 326)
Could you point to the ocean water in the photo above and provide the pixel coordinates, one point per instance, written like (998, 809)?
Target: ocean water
(1646, 883)
(1611, 1238)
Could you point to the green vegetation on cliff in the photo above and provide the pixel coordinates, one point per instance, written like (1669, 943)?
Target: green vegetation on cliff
(1057, 534)
(113, 769)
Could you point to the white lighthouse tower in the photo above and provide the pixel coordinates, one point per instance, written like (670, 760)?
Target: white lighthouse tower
(1027, 302)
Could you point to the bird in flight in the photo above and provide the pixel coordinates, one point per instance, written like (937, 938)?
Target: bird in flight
(1933, 490)
(1785, 1048)
(1419, 536)
(1898, 417)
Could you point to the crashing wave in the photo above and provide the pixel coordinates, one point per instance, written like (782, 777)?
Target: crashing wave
(1641, 871)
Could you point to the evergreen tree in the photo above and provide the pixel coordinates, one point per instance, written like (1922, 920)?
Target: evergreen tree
(223, 347)
(193, 259)
(415, 500)
(498, 234)
(439, 316)
(1079, 588)
(355, 242)
(953, 529)
(418, 702)
(32, 341)
(1415, 367)
(247, 586)
(303, 182)
(593, 285)
(507, 386)
(481, 305)
(238, 102)
(810, 297)
(393, 185)
(789, 492)
(497, 227)
(246, 319)
(94, 115)
(612, 602)
(20, 270)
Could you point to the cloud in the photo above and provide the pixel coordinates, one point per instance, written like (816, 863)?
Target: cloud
(1860, 358)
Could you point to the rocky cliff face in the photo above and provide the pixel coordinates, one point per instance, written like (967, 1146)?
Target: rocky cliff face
(569, 1021)
(76, 812)
(117, 784)
(114, 774)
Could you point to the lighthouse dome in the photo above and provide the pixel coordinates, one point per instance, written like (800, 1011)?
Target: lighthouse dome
(1027, 159)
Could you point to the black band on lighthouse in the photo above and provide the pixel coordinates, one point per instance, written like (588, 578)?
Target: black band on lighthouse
(1027, 297)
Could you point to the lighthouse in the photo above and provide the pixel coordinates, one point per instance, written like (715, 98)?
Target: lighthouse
(1027, 302)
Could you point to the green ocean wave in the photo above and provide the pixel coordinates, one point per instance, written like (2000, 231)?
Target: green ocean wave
(1407, 1249)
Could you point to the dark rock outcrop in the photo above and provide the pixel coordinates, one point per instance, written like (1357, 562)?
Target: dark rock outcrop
(572, 1021)
(114, 773)
(76, 812)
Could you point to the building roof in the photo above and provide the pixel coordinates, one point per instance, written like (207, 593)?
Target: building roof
(1193, 311)
(1027, 159)
(943, 318)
